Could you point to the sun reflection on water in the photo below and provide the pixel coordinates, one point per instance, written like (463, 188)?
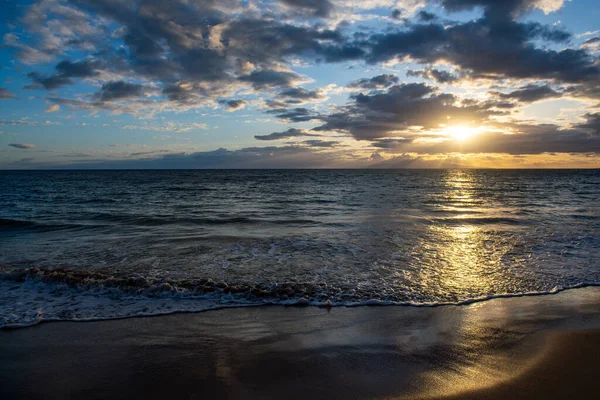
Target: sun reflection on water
(459, 256)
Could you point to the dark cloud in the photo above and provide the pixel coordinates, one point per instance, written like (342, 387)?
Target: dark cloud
(496, 8)
(276, 104)
(592, 40)
(265, 78)
(291, 156)
(322, 143)
(425, 16)
(233, 105)
(376, 157)
(376, 82)
(317, 8)
(23, 146)
(298, 114)
(437, 75)
(533, 139)
(300, 95)
(396, 13)
(63, 72)
(78, 69)
(196, 51)
(119, 90)
(511, 138)
(249, 157)
(391, 143)
(6, 94)
(401, 107)
(290, 133)
(47, 82)
(265, 42)
(530, 93)
(488, 48)
(592, 123)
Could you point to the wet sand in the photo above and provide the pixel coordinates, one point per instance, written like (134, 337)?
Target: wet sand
(568, 369)
(528, 347)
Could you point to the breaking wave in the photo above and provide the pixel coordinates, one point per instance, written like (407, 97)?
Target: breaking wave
(33, 295)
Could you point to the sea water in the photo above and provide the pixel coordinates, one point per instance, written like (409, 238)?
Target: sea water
(80, 245)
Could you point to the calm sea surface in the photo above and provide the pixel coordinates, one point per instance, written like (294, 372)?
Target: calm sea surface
(102, 244)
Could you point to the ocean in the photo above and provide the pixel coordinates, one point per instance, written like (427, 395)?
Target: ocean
(88, 245)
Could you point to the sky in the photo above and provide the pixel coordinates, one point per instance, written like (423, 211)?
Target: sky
(299, 84)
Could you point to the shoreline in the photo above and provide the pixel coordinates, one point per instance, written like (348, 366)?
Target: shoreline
(479, 350)
(20, 295)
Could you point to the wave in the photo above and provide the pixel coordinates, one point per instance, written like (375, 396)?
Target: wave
(479, 220)
(33, 295)
(169, 220)
(96, 201)
(14, 223)
(7, 224)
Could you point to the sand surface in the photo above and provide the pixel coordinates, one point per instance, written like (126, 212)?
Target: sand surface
(527, 347)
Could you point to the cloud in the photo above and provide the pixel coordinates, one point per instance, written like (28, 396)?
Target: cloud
(119, 90)
(147, 56)
(530, 93)
(291, 156)
(592, 123)
(513, 8)
(321, 143)
(233, 105)
(6, 94)
(18, 122)
(532, 139)
(376, 82)
(317, 8)
(263, 79)
(47, 82)
(192, 64)
(290, 133)
(298, 95)
(391, 144)
(298, 114)
(425, 16)
(398, 109)
(170, 126)
(487, 48)
(376, 157)
(64, 71)
(436, 75)
(23, 146)
(409, 7)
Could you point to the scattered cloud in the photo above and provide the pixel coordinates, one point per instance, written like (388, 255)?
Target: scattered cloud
(6, 94)
(290, 133)
(414, 67)
(22, 146)
(376, 82)
(233, 105)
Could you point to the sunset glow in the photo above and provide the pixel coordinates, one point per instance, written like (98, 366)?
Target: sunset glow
(183, 84)
(461, 132)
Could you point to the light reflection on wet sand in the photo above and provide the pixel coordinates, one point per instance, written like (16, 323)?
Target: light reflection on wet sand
(296, 353)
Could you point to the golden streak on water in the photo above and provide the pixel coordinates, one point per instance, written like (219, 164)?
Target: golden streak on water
(462, 256)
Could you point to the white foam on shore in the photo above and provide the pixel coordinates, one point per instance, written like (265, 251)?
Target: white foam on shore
(30, 302)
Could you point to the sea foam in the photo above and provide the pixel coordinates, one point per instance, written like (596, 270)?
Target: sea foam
(31, 296)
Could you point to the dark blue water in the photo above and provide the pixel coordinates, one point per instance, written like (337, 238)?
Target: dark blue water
(101, 244)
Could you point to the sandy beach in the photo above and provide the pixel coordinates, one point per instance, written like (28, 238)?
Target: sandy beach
(526, 347)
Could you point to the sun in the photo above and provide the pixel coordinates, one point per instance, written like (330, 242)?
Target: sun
(461, 132)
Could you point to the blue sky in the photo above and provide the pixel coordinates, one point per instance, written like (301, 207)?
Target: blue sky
(299, 83)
